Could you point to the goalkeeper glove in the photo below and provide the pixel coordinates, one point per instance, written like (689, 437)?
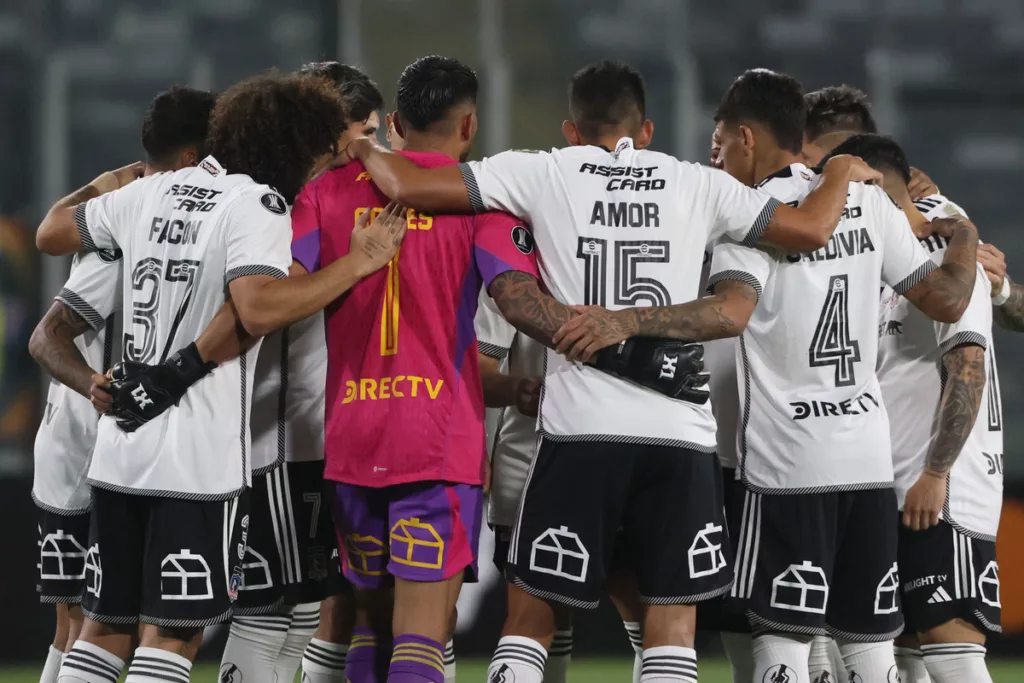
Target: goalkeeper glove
(142, 392)
(669, 366)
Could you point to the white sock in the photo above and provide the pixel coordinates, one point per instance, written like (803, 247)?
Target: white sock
(910, 663)
(324, 661)
(449, 662)
(869, 661)
(836, 657)
(558, 657)
(153, 665)
(636, 639)
(253, 646)
(305, 619)
(52, 666)
(517, 660)
(669, 664)
(782, 657)
(956, 662)
(819, 663)
(88, 663)
(739, 648)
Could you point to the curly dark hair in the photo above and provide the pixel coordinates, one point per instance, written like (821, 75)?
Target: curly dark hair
(273, 127)
(177, 118)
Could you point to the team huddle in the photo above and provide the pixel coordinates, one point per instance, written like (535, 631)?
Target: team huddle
(757, 397)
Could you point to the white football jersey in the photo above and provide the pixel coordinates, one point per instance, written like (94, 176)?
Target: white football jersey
(813, 418)
(618, 229)
(67, 434)
(185, 236)
(288, 398)
(514, 440)
(720, 362)
(910, 370)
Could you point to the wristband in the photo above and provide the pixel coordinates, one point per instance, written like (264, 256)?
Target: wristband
(1004, 294)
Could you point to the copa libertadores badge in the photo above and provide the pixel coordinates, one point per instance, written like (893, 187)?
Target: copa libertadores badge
(522, 238)
(274, 203)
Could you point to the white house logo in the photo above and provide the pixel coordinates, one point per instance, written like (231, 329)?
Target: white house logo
(61, 557)
(93, 571)
(255, 571)
(274, 203)
(885, 593)
(668, 367)
(141, 397)
(801, 588)
(705, 554)
(522, 238)
(560, 552)
(988, 585)
(185, 576)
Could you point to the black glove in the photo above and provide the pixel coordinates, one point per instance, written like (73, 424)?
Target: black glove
(142, 392)
(669, 366)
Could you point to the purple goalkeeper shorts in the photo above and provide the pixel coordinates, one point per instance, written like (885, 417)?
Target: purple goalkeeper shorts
(422, 531)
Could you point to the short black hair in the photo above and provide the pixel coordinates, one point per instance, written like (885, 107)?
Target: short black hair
(361, 95)
(429, 87)
(878, 151)
(273, 127)
(607, 95)
(177, 118)
(838, 108)
(772, 99)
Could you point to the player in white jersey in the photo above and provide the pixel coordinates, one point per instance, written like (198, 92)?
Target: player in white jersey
(78, 337)
(291, 606)
(163, 489)
(817, 549)
(940, 385)
(618, 225)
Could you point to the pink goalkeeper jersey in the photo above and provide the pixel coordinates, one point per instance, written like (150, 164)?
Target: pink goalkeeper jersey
(404, 400)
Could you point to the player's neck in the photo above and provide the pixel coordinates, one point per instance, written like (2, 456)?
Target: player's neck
(608, 142)
(425, 142)
(771, 162)
(919, 225)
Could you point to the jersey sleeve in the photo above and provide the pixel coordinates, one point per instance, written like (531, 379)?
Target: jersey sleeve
(732, 260)
(736, 211)
(258, 238)
(306, 228)
(510, 181)
(904, 261)
(494, 334)
(102, 221)
(975, 326)
(502, 243)
(94, 289)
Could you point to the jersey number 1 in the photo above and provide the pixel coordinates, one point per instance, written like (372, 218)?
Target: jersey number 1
(630, 288)
(831, 344)
(389, 314)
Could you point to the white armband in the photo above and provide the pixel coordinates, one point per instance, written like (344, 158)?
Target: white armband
(1004, 294)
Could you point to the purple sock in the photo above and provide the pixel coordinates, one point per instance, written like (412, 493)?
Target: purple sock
(360, 663)
(416, 659)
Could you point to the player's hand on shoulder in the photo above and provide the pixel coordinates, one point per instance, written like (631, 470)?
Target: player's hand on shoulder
(119, 177)
(857, 168)
(142, 392)
(375, 242)
(994, 263)
(595, 328)
(946, 226)
(528, 396)
(920, 185)
(924, 501)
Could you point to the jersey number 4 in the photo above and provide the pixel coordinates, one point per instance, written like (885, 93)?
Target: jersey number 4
(630, 289)
(831, 345)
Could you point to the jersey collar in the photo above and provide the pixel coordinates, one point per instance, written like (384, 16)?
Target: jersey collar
(212, 166)
(784, 172)
(622, 145)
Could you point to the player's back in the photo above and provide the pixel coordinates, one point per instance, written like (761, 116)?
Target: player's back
(404, 401)
(813, 418)
(185, 235)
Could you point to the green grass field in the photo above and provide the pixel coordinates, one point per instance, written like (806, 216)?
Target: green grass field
(582, 671)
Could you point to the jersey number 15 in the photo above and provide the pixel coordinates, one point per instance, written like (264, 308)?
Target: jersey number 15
(630, 289)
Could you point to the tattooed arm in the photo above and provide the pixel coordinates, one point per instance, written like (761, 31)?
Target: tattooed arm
(1010, 316)
(958, 410)
(724, 314)
(944, 294)
(53, 346)
(525, 305)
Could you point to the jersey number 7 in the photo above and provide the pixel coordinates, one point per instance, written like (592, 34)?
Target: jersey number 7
(831, 344)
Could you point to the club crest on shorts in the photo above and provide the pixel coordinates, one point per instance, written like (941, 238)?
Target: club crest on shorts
(560, 552)
(185, 576)
(780, 673)
(523, 240)
(61, 557)
(885, 593)
(801, 588)
(705, 555)
(274, 203)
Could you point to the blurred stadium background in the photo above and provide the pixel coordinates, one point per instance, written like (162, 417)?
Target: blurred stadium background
(76, 75)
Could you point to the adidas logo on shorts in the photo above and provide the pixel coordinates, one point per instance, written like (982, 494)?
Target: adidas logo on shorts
(940, 595)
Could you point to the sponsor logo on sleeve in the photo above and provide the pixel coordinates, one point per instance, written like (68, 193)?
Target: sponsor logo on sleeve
(523, 240)
(274, 203)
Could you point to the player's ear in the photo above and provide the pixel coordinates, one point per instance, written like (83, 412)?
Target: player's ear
(397, 123)
(571, 133)
(748, 139)
(467, 126)
(643, 140)
(189, 157)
